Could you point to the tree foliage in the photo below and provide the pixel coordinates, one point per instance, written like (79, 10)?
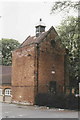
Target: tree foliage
(6, 48)
(69, 32)
(65, 6)
(69, 36)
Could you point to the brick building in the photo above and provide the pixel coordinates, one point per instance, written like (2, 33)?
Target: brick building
(5, 83)
(38, 66)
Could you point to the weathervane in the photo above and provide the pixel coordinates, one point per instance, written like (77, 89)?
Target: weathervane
(40, 19)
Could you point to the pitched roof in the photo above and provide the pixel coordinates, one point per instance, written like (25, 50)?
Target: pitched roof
(5, 75)
(35, 39)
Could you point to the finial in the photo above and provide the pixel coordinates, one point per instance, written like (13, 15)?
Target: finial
(40, 19)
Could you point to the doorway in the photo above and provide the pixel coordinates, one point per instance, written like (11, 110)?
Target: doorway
(52, 87)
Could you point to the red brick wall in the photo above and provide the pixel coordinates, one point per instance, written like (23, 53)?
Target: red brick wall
(50, 57)
(23, 74)
(23, 94)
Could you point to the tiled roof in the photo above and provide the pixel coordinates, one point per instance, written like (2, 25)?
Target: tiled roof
(5, 75)
(34, 39)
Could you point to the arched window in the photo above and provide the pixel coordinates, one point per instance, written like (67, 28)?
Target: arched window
(8, 92)
(53, 43)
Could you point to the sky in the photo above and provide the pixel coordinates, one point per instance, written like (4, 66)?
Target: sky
(19, 17)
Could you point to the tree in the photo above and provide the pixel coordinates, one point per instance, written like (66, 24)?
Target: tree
(69, 31)
(64, 6)
(69, 36)
(6, 48)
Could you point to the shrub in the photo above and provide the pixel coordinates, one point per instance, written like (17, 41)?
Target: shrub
(41, 99)
(72, 102)
(58, 101)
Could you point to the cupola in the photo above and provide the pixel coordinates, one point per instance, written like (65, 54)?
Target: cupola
(40, 27)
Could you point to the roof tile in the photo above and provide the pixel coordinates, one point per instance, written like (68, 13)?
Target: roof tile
(5, 75)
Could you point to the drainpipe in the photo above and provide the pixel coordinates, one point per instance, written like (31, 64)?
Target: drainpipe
(3, 95)
(37, 66)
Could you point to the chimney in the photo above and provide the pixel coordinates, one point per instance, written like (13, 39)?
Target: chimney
(40, 27)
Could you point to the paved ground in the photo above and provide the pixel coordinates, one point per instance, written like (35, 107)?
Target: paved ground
(19, 111)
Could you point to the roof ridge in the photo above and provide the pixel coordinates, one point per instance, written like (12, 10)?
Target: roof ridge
(24, 41)
(37, 40)
(53, 28)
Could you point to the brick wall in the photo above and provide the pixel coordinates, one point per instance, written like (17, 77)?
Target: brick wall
(23, 74)
(50, 59)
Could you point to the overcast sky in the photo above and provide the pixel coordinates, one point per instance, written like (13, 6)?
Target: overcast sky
(20, 17)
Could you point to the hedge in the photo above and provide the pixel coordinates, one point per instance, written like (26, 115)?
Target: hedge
(58, 101)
